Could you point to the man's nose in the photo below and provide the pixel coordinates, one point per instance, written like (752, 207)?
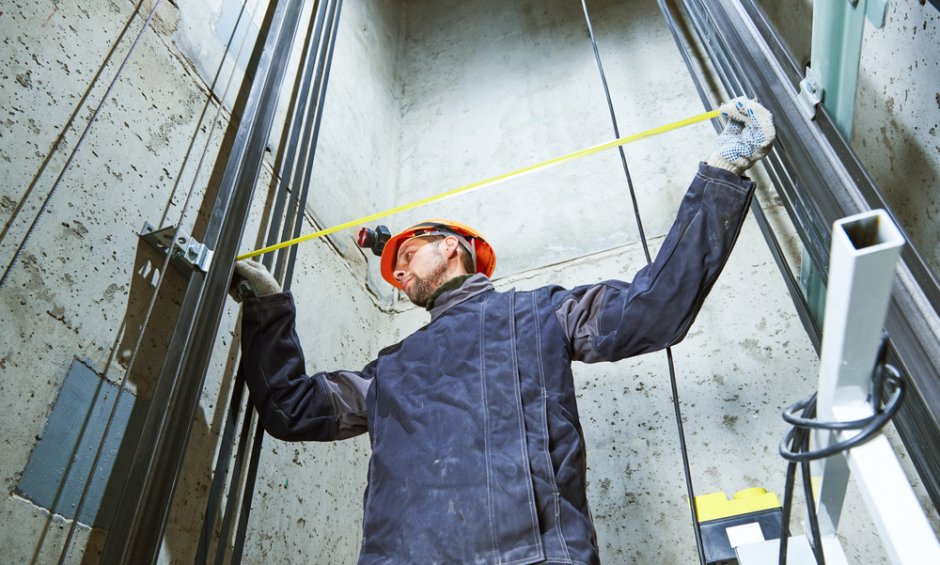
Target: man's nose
(399, 274)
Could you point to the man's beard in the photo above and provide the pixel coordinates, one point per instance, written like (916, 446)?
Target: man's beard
(422, 288)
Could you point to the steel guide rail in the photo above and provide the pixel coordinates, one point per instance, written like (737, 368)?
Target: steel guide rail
(324, 61)
(137, 530)
(239, 404)
(827, 183)
(760, 217)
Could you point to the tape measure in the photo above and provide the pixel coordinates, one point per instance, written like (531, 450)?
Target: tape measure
(485, 182)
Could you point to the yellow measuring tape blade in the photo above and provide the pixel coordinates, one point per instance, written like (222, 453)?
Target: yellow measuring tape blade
(483, 183)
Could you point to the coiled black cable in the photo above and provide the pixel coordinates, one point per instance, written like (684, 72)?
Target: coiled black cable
(868, 426)
(795, 445)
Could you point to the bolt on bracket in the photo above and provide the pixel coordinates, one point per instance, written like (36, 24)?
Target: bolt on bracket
(186, 253)
(810, 95)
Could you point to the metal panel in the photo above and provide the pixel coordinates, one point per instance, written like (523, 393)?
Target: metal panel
(864, 253)
(59, 465)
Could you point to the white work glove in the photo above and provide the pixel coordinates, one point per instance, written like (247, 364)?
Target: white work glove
(746, 138)
(251, 278)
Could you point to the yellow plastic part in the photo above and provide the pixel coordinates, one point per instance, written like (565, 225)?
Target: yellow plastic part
(716, 505)
(358, 222)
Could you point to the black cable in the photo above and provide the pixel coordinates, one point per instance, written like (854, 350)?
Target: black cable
(795, 446)
(816, 546)
(639, 224)
(801, 438)
(78, 144)
(869, 427)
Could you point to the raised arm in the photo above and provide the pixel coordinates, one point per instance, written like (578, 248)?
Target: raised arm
(614, 319)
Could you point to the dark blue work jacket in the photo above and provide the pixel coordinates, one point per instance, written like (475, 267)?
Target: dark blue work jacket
(477, 450)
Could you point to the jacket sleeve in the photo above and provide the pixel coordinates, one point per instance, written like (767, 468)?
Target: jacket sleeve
(614, 319)
(293, 406)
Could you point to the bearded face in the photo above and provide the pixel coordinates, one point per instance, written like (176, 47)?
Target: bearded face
(422, 268)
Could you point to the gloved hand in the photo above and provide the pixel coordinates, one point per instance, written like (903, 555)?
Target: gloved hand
(251, 278)
(746, 138)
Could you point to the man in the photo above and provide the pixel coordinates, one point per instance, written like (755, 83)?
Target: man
(477, 449)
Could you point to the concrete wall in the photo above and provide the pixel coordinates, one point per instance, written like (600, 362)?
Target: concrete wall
(84, 281)
(516, 83)
(897, 118)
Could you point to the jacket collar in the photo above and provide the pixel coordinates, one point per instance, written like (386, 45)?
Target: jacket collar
(471, 287)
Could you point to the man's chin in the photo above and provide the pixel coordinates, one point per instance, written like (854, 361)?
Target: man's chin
(416, 300)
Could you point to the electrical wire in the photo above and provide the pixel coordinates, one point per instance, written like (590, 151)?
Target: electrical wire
(669, 359)
(78, 144)
(867, 427)
(795, 446)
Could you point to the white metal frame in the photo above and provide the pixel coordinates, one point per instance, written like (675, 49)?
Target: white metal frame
(864, 254)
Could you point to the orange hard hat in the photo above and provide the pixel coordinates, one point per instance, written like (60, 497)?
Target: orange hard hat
(479, 249)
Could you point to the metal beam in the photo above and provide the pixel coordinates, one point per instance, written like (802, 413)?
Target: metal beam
(137, 531)
(828, 182)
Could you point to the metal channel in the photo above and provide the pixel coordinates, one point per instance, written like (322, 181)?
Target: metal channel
(828, 182)
(799, 301)
(308, 151)
(137, 530)
(239, 403)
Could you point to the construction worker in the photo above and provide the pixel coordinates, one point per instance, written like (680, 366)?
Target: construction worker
(477, 450)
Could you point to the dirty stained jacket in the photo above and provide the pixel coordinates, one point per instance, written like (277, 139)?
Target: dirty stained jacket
(477, 451)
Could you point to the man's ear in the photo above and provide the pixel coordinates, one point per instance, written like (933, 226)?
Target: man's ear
(450, 246)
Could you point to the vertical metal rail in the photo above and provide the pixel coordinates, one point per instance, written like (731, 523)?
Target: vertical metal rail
(326, 64)
(140, 519)
(827, 182)
(308, 151)
(799, 302)
(287, 215)
(238, 404)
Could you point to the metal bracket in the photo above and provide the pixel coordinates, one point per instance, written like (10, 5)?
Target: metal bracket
(810, 95)
(185, 252)
(876, 11)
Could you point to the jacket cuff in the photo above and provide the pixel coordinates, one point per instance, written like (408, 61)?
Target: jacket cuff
(257, 306)
(726, 177)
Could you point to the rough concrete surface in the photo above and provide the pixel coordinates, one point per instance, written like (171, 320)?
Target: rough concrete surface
(425, 95)
(514, 84)
(84, 280)
(897, 117)
(897, 109)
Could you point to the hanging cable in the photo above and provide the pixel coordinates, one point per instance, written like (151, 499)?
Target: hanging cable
(669, 360)
(78, 144)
